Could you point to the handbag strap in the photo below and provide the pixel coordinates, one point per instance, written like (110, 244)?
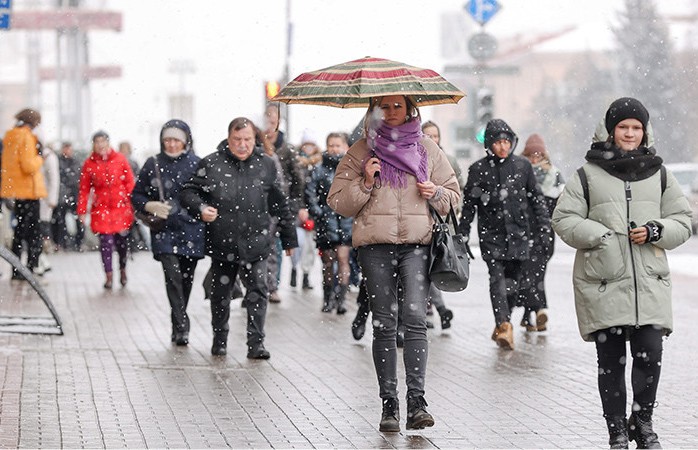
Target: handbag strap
(450, 216)
(161, 189)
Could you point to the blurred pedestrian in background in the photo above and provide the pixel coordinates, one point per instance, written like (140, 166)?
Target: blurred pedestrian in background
(52, 179)
(236, 191)
(502, 190)
(23, 182)
(433, 131)
(137, 239)
(105, 189)
(621, 211)
(386, 182)
(532, 283)
(332, 230)
(180, 244)
(295, 184)
(309, 157)
(69, 168)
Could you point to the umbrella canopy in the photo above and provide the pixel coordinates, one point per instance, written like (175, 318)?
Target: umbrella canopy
(353, 84)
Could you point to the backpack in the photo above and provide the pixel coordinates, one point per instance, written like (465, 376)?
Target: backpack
(585, 183)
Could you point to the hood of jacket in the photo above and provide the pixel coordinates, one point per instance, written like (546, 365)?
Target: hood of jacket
(176, 123)
(498, 129)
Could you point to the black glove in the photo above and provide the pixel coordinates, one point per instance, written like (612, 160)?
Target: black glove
(654, 231)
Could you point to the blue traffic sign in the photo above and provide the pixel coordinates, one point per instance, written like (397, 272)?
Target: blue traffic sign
(5, 14)
(482, 10)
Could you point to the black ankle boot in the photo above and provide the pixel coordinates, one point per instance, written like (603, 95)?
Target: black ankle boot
(294, 276)
(358, 326)
(327, 299)
(390, 418)
(220, 344)
(341, 293)
(640, 431)
(617, 432)
(306, 282)
(446, 316)
(417, 415)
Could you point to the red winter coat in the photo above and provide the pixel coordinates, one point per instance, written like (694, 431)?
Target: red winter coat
(112, 180)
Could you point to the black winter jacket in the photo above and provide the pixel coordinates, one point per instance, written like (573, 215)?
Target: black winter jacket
(504, 194)
(245, 193)
(331, 229)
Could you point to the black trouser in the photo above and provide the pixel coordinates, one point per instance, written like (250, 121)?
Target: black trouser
(59, 229)
(27, 230)
(179, 277)
(254, 277)
(504, 280)
(532, 281)
(646, 350)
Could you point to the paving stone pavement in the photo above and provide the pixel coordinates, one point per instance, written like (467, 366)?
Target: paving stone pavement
(114, 380)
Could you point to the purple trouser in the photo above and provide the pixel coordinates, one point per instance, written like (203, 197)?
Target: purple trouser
(107, 242)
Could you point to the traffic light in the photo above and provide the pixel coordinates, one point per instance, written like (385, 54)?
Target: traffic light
(271, 88)
(484, 107)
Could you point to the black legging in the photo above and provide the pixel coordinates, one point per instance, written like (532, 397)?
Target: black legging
(646, 351)
(27, 230)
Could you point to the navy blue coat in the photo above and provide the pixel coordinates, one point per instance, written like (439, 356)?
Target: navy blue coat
(183, 235)
(331, 229)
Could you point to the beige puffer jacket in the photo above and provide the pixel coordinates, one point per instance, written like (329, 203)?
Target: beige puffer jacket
(617, 283)
(386, 215)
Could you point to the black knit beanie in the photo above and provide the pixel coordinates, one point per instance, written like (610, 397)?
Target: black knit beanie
(626, 108)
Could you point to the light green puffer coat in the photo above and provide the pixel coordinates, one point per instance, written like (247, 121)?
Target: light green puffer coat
(617, 283)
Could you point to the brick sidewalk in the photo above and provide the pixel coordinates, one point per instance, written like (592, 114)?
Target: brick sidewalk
(114, 379)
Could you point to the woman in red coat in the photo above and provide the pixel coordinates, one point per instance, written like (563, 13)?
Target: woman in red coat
(108, 175)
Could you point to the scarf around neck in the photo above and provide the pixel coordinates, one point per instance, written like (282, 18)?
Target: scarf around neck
(400, 151)
(634, 165)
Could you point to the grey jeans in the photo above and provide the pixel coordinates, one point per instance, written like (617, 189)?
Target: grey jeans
(382, 266)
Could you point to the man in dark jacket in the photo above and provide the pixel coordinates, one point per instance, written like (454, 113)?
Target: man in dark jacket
(502, 190)
(236, 191)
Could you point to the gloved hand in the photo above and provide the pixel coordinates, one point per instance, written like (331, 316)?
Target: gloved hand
(654, 231)
(159, 209)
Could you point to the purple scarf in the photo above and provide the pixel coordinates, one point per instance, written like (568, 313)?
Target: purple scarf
(400, 151)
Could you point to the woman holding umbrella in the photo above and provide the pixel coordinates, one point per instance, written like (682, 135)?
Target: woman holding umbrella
(387, 182)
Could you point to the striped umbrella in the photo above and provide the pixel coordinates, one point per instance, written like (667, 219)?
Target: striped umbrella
(353, 84)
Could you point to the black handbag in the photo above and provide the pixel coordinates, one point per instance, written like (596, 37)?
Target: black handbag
(449, 268)
(150, 220)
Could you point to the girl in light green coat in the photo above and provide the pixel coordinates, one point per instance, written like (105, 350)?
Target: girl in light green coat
(621, 212)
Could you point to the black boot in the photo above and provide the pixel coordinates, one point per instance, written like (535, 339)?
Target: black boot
(358, 326)
(294, 276)
(306, 282)
(220, 344)
(327, 299)
(446, 316)
(617, 432)
(640, 430)
(341, 293)
(390, 418)
(417, 415)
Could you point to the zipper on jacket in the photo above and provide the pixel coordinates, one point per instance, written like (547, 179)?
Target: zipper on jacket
(628, 198)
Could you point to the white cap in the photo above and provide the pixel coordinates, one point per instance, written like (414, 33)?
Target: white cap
(175, 133)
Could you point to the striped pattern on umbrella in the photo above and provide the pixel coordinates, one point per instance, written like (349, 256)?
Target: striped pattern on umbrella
(352, 84)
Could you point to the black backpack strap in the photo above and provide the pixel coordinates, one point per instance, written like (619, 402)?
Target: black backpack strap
(585, 183)
(662, 173)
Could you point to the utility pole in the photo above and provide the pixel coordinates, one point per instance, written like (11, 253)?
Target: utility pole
(287, 63)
